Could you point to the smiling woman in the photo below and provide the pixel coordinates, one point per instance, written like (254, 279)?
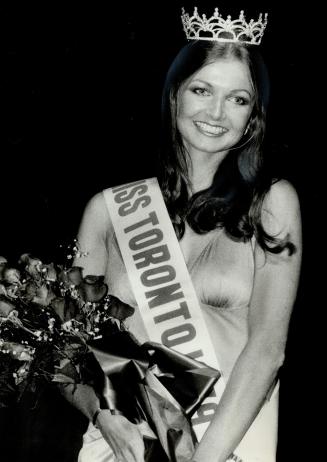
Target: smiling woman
(66, 109)
(239, 230)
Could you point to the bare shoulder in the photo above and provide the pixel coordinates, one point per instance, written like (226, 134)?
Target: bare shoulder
(281, 198)
(96, 216)
(281, 209)
(96, 207)
(96, 204)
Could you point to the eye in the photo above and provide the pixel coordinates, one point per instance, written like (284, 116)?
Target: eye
(240, 100)
(201, 91)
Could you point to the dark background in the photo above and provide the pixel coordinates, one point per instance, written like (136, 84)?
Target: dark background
(81, 90)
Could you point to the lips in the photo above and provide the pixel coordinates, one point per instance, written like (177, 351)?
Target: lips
(210, 130)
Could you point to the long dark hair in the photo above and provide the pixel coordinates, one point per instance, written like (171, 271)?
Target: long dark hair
(234, 200)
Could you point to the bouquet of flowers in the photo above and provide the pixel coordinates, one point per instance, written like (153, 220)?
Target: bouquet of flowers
(48, 314)
(57, 325)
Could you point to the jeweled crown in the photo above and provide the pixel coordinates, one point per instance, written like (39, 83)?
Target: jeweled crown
(216, 28)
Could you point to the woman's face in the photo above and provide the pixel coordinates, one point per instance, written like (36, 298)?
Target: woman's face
(214, 106)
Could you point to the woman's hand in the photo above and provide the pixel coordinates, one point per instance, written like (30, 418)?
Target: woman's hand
(124, 438)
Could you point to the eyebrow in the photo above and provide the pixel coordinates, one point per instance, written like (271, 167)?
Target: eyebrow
(233, 91)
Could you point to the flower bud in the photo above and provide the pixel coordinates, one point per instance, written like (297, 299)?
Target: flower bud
(119, 309)
(58, 305)
(72, 276)
(50, 272)
(41, 295)
(75, 275)
(11, 275)
(32, 265)
(93, 288)
(5, 308)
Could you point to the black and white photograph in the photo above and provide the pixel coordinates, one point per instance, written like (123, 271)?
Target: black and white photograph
(161, 232)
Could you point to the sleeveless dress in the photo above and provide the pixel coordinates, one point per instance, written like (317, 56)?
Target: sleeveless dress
(222, 272)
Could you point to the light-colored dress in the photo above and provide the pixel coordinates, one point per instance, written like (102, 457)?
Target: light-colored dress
(222, 272)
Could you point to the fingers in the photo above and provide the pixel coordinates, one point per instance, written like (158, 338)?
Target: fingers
(129, 447)
(129, 455)
(138, 452)
(123, 437)
(136, 447)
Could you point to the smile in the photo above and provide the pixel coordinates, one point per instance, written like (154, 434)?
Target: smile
(211, 130)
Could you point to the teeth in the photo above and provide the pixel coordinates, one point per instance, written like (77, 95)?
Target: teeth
(213, 130)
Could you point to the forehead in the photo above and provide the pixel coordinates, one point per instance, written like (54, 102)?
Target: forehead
(226, 73)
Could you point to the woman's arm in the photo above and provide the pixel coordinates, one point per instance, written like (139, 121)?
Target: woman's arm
(123, 436)
(93, 235)
(274, 292)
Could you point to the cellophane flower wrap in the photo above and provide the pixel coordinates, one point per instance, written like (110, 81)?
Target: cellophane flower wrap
(58, 325)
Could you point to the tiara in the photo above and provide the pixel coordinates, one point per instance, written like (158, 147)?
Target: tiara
(223, 30)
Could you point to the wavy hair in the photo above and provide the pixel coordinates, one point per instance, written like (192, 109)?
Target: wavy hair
(234, 200)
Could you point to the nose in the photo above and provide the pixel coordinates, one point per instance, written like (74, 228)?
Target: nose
(216, 108)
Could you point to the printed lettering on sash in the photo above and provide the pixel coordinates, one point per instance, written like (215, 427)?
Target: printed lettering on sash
(160, 280)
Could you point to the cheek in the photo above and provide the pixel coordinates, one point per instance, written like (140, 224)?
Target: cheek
(183, 109)
(241, 120)
(187, 106)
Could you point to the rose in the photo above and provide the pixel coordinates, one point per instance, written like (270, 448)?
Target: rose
(119, 309)
(65, 309)
(7, 274)
(5, 307)
(11, 275)
(39, 293)
(93, 288)
(58, 305)
(49, 272)
(72, 276)
(32, 265)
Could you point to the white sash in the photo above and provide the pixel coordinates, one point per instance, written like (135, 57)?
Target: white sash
(160, 280)
(168, 303)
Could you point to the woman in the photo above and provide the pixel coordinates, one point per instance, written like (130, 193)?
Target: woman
(240, 234)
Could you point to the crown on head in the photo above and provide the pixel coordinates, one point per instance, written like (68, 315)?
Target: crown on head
(216, 28)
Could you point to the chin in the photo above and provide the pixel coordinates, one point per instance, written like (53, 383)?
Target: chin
(210, 149)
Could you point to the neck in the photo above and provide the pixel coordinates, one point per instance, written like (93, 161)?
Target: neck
(203, 168)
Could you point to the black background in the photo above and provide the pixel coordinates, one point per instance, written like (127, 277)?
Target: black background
(81, 90)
